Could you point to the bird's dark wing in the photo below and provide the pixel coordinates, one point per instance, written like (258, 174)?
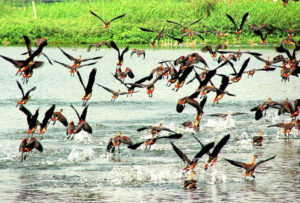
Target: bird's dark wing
(181, 155)
(67, 55)
(196, 21)
(236, 163)
(28, 44)
(76, 111)
(80, 79)
(49, 61)
(115, 18)
(232, 20)
(220, 145)
(244, 66)
(28, 92)
(97, 16)
(114, 46)
(83, 114)
(244, 20)
(143, 128)
(20, 87)
(260, 162)
(91, 80)
(98, 57)
(135, 146)
(48, 115)
(169, 21)
(203, 151)
(106, 88)
(63, 64)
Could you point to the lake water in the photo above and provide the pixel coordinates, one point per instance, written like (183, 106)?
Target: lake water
(81, 170)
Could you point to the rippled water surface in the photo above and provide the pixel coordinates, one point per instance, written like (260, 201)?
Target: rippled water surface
(81, 170)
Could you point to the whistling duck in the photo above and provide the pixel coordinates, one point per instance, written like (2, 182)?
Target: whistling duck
(26, 147)
(116, 142)
(290, 31)
(238, 29)
(218, 33)
(138, 52)
(155, 129)
(89, 87)
(257, 140)
(98, 45)
(79, 60)
(107, 23)
(297, 124)
(160, 34)
(263, 107)
(254, 27)
(191, 164)
(31, 119)
(252, 71)
(38, 42)
(122, 74)
(221, 91)
(120, 55)
(213, 52)
(268, 62)
(115, 94)
(25, 97)
(238, 76)
(292, 57)
(212, 157)
(149, 87)
(263, 37)
(250, 168)
(82, 124)
(148, 143)
(296, 109)
(287, 127)
(185, 27)
(285, 73)
(48, 115)
(24, 65)
(181, 80)
(60, 117)
(73, 68)
(238, 54)
(191, 34)
(225, 115)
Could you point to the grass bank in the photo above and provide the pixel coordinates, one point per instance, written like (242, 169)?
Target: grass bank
(71, 23)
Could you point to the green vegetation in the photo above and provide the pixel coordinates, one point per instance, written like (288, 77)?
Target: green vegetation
(71, 23)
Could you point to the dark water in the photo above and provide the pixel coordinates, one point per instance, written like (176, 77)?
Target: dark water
(81, 170)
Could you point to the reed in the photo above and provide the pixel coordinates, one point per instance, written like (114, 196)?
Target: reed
(71, 23)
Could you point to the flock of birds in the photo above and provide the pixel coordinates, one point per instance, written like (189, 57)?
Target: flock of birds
(176, 71)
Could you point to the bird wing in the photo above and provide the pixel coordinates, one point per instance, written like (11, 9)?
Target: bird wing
(115, 18)
(169, 21)
(107, 89)
(136, 145)
(244, 66)
(244, 20)
(83, 114)
(196, 21)
(207, 49)
(236, 163)
(114, 46)
(28, 92)
(181, 155)
(25, 110)
(167, 129)
(76, 111)
(91, 80)
(49, 61)
(80, 79)
(144, 128)
(62, 119)
(67, 55)
(28, 44)
(98, 57)
(260, 162)
(232, 20)
(219, 146)
(203, 151)
(97, 16)
(48, 115)
(20, 87)
(63, 64)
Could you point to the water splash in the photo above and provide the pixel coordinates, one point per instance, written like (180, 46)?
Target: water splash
(81, 154)
(221, 124)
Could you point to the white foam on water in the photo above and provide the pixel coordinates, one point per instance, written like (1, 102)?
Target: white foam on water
(79, 154)
(220, 124)
(83, 137)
